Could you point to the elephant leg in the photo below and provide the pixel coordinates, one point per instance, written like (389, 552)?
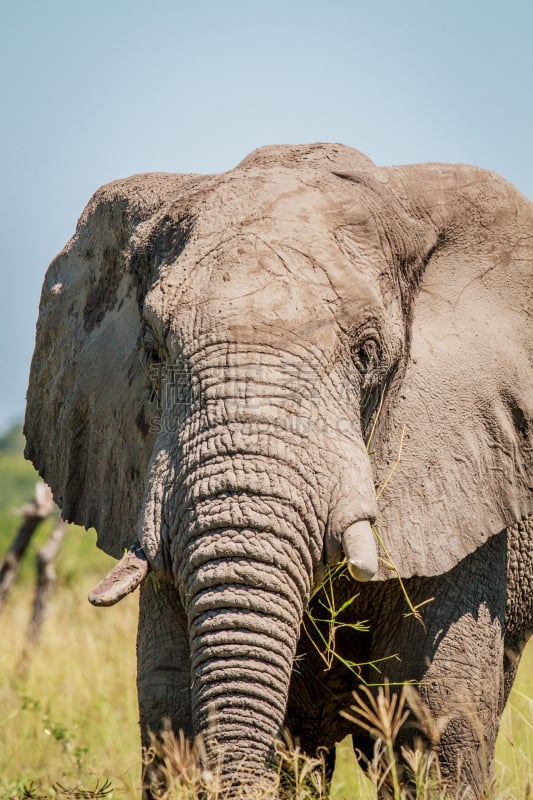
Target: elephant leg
(163, 670)
(519, 612)
(463, 688)
(455, 656)
(311, 719)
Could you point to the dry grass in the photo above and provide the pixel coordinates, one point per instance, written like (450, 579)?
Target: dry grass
(68, 716)
(184, 775)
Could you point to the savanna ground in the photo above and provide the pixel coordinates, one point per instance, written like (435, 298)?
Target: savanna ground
(68, 709)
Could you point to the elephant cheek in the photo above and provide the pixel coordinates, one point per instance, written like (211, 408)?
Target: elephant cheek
(152, 525)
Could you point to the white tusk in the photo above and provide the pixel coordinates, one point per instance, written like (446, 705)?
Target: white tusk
(359, 545)
(123, 578)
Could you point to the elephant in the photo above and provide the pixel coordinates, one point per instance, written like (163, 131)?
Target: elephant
(243, 380)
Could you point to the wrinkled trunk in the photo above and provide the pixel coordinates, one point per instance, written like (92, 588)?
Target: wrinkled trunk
(244, 622)
(244, 573)
(240, 496)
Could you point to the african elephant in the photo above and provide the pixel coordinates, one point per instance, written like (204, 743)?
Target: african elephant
(214, 353)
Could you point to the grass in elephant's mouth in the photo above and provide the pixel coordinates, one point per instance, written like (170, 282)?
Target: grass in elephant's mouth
(325, 617)
(322, 630)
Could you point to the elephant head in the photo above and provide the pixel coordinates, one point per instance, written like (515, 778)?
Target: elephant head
(213, 353)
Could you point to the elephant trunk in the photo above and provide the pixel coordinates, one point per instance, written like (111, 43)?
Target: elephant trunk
(244, 614)
(244, 574)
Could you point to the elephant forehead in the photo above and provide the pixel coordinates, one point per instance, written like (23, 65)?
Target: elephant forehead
(278, 198)
(260, 199)
(273, 250)
(251, 290)
(248, 229)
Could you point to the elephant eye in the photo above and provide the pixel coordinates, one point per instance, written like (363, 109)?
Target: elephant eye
(153, 365)
(152, 352)
(365, 356)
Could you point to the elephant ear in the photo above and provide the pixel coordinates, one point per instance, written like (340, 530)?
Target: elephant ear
(88, 411)
(453, 443)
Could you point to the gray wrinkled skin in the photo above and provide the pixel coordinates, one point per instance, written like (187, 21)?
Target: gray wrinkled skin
(212, 355)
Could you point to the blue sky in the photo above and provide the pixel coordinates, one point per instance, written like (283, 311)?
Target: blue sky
(93, 91)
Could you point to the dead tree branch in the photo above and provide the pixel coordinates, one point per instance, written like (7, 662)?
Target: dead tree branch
(34, 513)
(46, 579)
